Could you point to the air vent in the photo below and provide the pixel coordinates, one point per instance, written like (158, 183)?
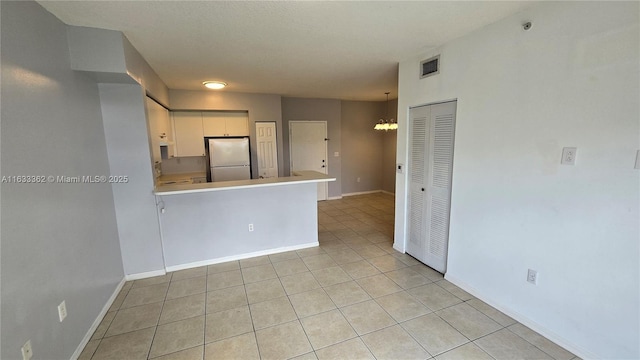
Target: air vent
(429, 67)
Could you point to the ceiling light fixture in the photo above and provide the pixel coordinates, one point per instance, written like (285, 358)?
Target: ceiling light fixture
(215, 85)
(384, 124)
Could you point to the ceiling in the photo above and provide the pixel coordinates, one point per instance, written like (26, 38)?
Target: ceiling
(317, 49)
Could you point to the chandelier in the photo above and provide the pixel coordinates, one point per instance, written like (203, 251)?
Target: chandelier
(384, 124)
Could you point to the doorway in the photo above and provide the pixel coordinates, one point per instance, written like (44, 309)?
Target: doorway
(432, 132)
(267, 149)
(308, 149)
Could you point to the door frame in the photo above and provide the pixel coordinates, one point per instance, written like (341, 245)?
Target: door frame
(322, 184)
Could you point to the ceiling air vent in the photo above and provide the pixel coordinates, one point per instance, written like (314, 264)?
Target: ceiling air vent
(429, 67)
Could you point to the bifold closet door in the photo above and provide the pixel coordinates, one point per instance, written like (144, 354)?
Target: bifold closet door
(431, 159)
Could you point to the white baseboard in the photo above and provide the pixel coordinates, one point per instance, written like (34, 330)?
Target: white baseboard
(387, 192)
(97, 321)
(334, 198)
(145, 275)
(241, 256)
(362, 193)
(526, 321)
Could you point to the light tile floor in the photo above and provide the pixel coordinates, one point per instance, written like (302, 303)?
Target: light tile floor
(353, 297)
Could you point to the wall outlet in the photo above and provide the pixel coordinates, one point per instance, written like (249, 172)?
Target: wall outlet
(27, 352)
(358, 180)
(532, 277)
(336, 154)
(569, 156)
(250, 227)
(62, 310)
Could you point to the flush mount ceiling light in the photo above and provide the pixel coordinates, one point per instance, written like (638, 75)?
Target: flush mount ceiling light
(385, 124)
(215, 85)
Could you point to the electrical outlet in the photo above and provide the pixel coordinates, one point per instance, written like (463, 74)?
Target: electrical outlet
(62, 310)
(569, 156)
(336, 154)
(27, 351)
(532, 277)
(358, 180)
(250, 227)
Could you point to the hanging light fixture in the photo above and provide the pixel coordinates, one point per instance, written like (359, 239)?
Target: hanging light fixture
(384, 124)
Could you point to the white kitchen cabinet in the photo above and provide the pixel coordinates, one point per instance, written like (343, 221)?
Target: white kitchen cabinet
(189, 136)
(219, 123)
(237, 124)
(165, 130)
(213, 124)
(156, 117)
(160, 131)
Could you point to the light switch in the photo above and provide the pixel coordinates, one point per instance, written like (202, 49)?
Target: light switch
(336, 154)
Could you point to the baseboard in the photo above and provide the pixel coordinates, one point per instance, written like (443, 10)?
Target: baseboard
(524, 320)
(362, 193)
(145, 275)
(97, 321)
(387, 192)
(334, 198)
(240, 257)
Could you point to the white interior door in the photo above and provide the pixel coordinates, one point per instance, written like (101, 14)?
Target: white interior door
(431, 152)
(267, 149)
(308, 149)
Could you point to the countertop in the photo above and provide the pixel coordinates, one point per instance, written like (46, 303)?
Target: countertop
(298, 177)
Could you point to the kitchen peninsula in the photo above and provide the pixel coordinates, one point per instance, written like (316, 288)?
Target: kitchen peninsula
(209, 223)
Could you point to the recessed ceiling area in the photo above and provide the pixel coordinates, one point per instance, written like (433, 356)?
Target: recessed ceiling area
(314, 49)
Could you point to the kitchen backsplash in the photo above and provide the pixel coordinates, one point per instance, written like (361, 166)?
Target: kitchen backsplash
(183, 165)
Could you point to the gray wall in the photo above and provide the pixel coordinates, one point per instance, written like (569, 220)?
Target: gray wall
(361, 146)
(296, 109)
(206, 226)
(125, 127)
(367, 153)
(59, 241)
(389, 141)
(110, 58)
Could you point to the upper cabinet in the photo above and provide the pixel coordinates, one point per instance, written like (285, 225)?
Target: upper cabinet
(160, 131)
(188, 132)
(213, 125)
(222, 123)
(191, 127)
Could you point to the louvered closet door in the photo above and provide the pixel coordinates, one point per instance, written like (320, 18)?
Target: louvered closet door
(436, 164)
(419, 129)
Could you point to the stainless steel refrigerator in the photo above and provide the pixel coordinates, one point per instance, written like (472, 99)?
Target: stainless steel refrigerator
(229, 159)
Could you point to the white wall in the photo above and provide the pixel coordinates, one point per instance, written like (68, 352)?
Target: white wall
(571, 80)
